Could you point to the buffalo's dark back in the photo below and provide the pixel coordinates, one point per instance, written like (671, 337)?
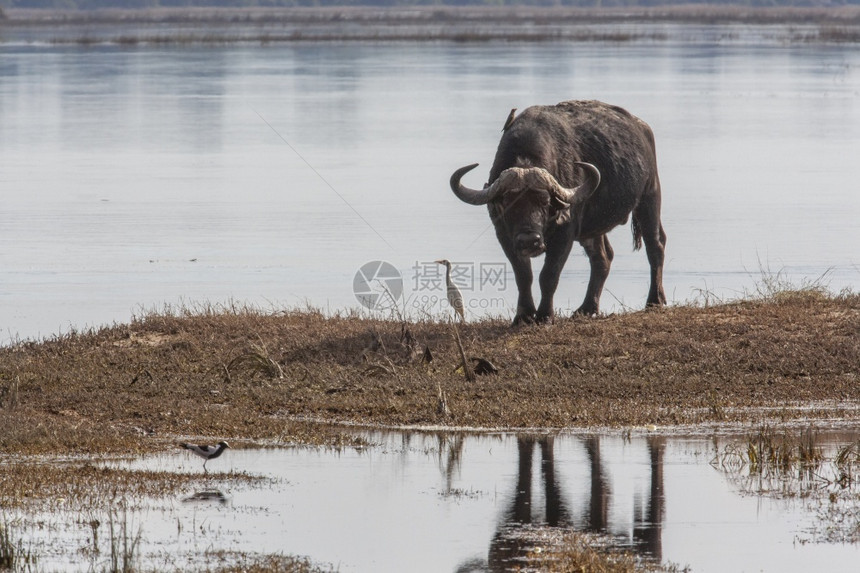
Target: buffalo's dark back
(617, 142)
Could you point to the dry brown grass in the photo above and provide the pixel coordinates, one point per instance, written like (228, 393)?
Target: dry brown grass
(170, 373)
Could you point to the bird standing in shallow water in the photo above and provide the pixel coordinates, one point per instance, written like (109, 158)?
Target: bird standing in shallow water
(455, 297)
(205, 451)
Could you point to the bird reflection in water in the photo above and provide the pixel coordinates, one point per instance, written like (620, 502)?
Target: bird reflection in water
(206, 496)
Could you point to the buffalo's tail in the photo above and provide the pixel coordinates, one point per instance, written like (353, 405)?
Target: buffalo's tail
(637, 234)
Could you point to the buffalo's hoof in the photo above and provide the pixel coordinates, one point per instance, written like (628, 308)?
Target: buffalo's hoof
(545, 319)
(522, 319)
(585, 311)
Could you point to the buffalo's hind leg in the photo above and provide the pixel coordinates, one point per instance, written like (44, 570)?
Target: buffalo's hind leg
(646, 219)
(600, 255)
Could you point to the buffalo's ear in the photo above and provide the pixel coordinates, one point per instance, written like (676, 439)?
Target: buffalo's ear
(561, 209)
(589, 185)
(496, 211)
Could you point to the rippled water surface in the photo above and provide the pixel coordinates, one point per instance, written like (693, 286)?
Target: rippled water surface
(448, 502)
(137, 176)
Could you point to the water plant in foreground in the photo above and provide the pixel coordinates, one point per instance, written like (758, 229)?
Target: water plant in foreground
(13, 556)
(123, 543)
(775, 460)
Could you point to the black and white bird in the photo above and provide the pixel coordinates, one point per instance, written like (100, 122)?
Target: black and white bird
(455, 297)
(205, 451)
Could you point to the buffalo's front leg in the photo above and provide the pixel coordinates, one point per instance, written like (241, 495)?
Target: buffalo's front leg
(557, 252)
(600, 255)
(522, 267)
(525, 303)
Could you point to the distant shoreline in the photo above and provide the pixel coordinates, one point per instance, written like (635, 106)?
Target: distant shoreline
(684, 24)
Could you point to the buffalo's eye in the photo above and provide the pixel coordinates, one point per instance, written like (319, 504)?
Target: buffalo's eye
(510, 198)
(539, 198)
(496, 211)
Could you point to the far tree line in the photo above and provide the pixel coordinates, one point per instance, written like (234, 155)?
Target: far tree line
(140, 4)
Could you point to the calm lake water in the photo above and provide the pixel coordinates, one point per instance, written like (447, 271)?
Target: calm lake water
(448, 502)
(134, 177)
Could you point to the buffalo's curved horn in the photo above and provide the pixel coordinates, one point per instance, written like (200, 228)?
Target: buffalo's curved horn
(592, 181)
(467, 195)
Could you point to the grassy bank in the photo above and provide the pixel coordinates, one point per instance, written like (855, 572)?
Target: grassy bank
(240, 373)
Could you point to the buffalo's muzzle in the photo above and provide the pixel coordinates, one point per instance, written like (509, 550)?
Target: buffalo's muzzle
(530, 244)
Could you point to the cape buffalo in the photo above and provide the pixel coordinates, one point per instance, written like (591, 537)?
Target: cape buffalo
(571, 172)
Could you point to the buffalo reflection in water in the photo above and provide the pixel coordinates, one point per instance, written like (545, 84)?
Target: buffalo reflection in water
(509, 547)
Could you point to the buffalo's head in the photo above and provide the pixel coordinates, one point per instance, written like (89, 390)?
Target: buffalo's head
(527, 201)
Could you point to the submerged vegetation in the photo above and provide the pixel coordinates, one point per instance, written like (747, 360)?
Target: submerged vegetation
(81, 485)
(782, 462)
(793, 459)
(792, 463)
(576, 552)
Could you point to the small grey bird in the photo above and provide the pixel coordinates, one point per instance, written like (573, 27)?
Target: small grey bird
(205, 451)
(455, 297)
(510, 119)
